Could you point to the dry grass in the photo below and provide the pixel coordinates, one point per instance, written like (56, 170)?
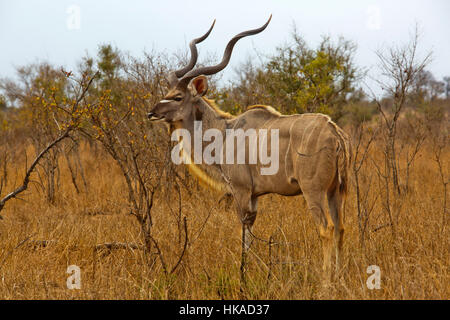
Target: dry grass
(414, 262)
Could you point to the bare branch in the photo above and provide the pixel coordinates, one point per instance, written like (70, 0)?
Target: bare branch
(186, 240)
(26, 180)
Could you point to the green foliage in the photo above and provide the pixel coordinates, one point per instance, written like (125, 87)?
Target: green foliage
(108, 61)
(108, 64)
(358, 112)
(434, 111)
(425, 89)
(298, 79)
(317, 83)
(317, 80)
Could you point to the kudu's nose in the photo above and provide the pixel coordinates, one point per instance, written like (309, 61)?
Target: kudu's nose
(150, 115)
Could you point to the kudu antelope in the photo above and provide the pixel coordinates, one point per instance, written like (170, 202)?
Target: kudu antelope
(314, 153)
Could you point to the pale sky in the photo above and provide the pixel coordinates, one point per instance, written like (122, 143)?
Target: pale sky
(49, 30)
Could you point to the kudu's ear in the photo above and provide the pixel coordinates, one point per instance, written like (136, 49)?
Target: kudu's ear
(199, 86)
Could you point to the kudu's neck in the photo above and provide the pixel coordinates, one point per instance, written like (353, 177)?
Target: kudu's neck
(209, 114)
(211, 118)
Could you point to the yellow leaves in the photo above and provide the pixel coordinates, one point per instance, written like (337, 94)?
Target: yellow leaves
(324, 109)
(4, 125)
(100, 134)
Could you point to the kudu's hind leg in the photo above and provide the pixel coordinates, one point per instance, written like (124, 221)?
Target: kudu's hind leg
(335, 203)
(317, 206)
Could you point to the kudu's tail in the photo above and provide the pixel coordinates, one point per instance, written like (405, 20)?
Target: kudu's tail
(343, 162)
(344, 154)
(342, 169)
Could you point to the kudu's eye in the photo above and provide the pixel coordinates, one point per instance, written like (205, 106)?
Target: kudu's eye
(178, 98)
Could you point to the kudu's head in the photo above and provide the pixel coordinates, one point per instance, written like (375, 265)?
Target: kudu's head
(187, 86)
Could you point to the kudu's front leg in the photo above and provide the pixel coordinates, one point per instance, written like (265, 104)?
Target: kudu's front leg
(247, 215)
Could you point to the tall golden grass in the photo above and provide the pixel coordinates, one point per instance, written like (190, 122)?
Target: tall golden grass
(38, 241)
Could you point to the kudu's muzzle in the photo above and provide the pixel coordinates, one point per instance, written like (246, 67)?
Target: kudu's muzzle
(152, 116)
